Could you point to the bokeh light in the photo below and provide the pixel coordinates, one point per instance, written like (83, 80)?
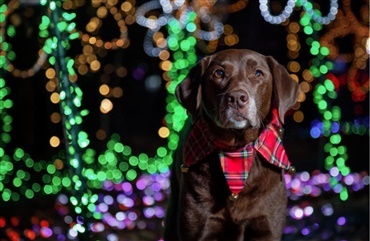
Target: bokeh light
(135, 186)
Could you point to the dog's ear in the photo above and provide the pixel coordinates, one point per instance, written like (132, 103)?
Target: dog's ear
(188, 92)
(286, 89)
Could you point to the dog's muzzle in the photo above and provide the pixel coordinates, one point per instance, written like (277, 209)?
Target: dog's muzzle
(239, 110)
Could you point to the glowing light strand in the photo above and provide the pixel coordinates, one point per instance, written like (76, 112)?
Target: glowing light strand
(323, 95)
(9, 54)
(52, 180)
(43, 53)
(154, 24)
(70, 96)
(344, 25)
(177, 114)
(6, 165)
(169, 11)
(118, 15)
(266, 13)
(315, 15)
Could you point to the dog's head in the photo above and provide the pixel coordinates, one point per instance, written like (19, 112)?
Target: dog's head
(234, 89)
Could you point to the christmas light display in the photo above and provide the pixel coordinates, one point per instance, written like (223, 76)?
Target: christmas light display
(117, 190)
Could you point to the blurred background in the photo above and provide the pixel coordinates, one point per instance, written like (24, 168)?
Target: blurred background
(89, 120)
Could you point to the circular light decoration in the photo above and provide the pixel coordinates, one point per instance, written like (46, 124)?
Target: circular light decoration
(122, 16)
(317, 16)
(307, 7)
(178, 11)
(266, 13)
(9, 55)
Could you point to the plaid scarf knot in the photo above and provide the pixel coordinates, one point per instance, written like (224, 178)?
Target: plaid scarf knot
(236, 162)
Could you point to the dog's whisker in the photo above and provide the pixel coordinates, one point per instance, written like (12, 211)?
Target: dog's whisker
(223, 94)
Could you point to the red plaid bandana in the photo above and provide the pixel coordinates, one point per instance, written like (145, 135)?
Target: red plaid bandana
(236, 161)
(269, 143)
(236, 166)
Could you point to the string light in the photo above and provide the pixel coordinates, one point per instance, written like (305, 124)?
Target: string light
(6, 120)
(311, 22)
(9, 55)
(347, 24)
(70, 101)
(117, 207)
(294, 47)
(266, 13)
(183, 13)
(123, 15)
(228, 37)
(323, 95)
(235, 7)
(317, 16)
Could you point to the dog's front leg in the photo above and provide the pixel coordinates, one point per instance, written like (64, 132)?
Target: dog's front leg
(217, 229)
(204, 229)
(203, 224)
(171, 218)
(171, 221)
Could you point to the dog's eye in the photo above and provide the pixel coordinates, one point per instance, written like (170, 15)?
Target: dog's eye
(258, 73)
(219, 73)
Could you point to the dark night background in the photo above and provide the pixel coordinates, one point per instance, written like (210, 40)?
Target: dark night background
(137, 115)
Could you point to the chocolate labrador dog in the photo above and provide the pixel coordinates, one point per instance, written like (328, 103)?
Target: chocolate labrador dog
(227, 181)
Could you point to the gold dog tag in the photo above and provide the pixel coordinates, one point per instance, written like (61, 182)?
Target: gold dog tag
(291, 170)
(281, 132)
(184, 168)
(233, 197)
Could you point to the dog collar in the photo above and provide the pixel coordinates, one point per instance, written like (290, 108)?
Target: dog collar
(201, 143)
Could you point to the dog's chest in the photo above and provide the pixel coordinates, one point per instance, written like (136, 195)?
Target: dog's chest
(207, 194)
(206, 189)
(218, 177)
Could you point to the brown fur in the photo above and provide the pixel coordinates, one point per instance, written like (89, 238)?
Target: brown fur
(199, 208)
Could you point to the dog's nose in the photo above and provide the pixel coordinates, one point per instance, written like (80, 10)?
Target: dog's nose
(237, 98)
